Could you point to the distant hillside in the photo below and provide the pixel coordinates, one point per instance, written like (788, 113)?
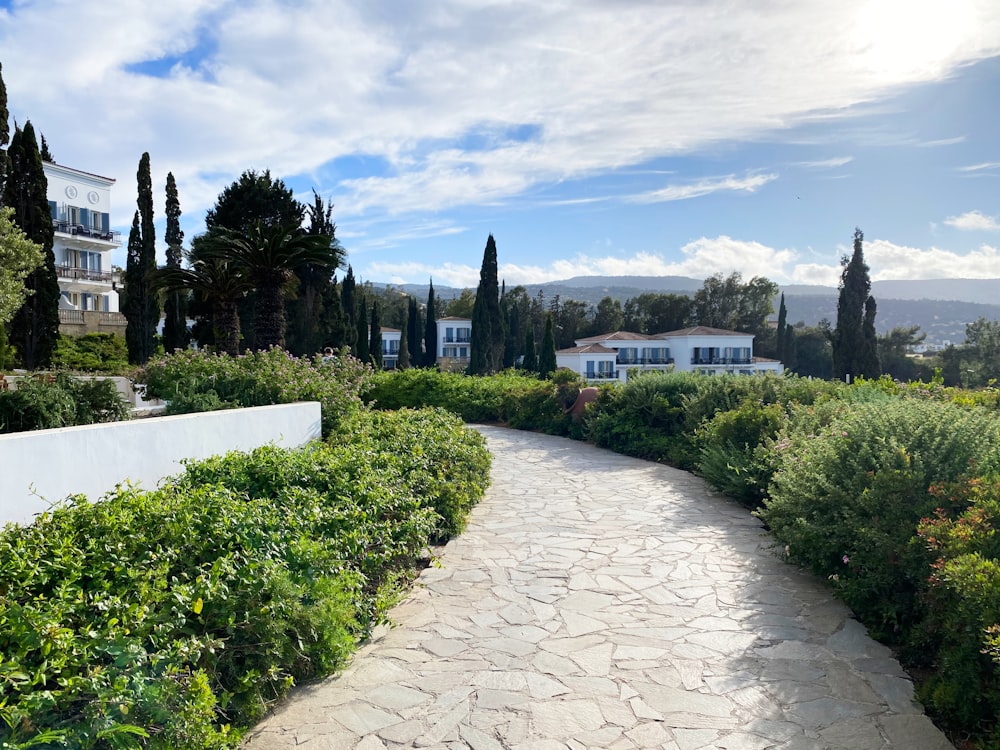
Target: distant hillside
(941, 307)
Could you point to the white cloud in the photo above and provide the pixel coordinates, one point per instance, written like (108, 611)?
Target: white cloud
(837, 161)
(987, 165)
(748, 184)
(890, 261)
(973, 221)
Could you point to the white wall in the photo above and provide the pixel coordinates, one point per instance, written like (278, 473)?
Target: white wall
(45, 466)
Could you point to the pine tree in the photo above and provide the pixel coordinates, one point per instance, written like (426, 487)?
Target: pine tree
(852, 356)
(547, 355)
(175, 331)
(361, 348)
(45, 153)
(403, 361)
(34, 329)
(412, 333)
(141, 306)
(349, 301)
(530, 363)
(430, 330)
(486, 346)
(375, 337)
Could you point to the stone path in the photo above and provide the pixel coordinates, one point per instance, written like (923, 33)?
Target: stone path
(598, 601)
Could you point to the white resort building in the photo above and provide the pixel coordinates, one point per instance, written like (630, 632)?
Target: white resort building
(390, 347)
(454, 339)
(709, 351)
(83, 242)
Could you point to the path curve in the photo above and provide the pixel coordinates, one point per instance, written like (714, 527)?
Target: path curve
(600, 601)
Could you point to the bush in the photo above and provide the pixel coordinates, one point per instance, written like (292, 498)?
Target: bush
(46, 402)
(174, 618)
(851, 484)
(200, 381)
(93, 352)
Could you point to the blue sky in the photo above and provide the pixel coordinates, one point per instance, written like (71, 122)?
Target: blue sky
(590, 137)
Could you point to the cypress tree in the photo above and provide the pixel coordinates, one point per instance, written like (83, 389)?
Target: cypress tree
(430, 330)
(375, 337)
(4, 135)
(349, 302)
(175, 332)
(335, 326)
(852, 357)
(486, 346)
(361, 350)
(530, 363)
(412, 333)
(141, 306)
(868, 360)
(35, 327)
(779, 345)
(547, 356)
(403, 362)
(45, 153)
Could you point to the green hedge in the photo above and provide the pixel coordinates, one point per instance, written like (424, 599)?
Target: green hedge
(173, 618)
(46, 402)
(192, 381)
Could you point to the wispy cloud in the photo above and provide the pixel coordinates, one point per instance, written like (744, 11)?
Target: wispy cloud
(986, 165)
(729, 183)
(973, 221)
(837, 161)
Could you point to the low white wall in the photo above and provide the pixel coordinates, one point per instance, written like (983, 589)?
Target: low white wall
(44, 466)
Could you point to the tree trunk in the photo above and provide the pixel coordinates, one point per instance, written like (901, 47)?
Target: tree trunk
(226, 322)
(269, 316)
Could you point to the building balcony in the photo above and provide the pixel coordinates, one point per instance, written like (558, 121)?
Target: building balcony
(721, 361)
(78, 230)
(457, 340)
(71, 273)
(79, 322)
(591, 375)
(640, 361)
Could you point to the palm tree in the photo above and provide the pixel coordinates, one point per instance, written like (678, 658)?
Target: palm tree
(269, 255)
(221, 283)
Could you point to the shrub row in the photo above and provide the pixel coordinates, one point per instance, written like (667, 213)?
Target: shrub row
(172, 618)
(193, 381)
(46, 402)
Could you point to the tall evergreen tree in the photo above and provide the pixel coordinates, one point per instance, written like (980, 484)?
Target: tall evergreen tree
(430, 330)
(349, 301)
(375, 336)
(140, 305)
(4, 135)
(486, 346)
(547, 355)
(779, 331)
(868, 358)
(530, 362)
(335, 325)
(175, 331)
(44, 151)
(852, 357)
(412, 327)
(403, 361)
(35, 327)
(361, 348)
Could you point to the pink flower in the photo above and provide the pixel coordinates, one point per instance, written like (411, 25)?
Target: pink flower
(846, 559)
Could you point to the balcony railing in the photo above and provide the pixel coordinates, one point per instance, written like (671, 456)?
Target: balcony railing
(83, 317)
(591, 375)
(79, 230)
(85, 274)
(457, 340)
(721, 360)
(634, 361)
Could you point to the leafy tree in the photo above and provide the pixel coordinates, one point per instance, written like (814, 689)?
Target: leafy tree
(547, 355)
(814, 354)
(513, 329)
(530, 362)
(430, 329)
(486, 346)
(217, 281)
(728, 303)
(461, 306)
(175, 330)
(652, 313)
(34, 328)
(791, 345)
(255, 198)
(572, 322)
(140, 305)
(19, 258)
(853, 338)
(375, 337)
(894, 352)
(609, 317)
(412, 329)
(270, 255)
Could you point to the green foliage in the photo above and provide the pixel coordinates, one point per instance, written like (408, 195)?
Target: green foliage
(47, 402)
(175, 618)
(139, 303)
(197, 380)
(93, 352)
(487, 343)
(19, 257)
(851, 485)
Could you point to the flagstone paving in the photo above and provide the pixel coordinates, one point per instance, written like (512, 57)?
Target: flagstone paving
(598, 601)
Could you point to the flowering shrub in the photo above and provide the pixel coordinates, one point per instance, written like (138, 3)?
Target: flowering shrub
(61, 400)
(202, 381)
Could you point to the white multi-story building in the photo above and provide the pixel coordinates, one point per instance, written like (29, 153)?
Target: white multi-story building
(454, 339)
(390, 347)
(83, 243)
(709, 351)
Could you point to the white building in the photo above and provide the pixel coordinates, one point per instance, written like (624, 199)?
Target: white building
(83, 243)
(709, 351)
(454, 337)
(390, 347)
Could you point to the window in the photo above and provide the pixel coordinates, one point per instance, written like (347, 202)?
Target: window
(591, 372)
(605, 368)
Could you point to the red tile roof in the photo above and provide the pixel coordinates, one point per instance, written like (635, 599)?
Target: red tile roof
(700, 331)
(587, 349)
(618, 336)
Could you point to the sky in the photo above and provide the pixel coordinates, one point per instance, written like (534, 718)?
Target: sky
(590, 137)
